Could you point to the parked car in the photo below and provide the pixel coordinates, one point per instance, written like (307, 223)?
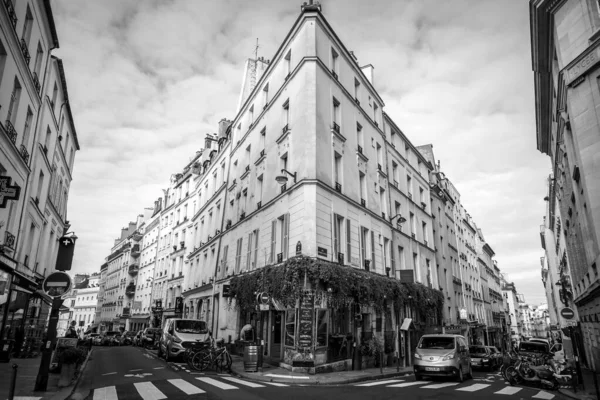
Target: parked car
(150, 335)
(481, 357)
(442, 355)
(497, 355)
(110, 338)
(179, 334)
(91, 336)
(137, 339)
(535, 352)
(97, 340)
(126, 338)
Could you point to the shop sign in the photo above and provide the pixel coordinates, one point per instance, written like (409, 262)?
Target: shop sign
(321, 251)
(7, 191)
(179, 304)
(24, 282)
(8, 262)
(263, 307)
(299, 248)
(463, 313)
(305, 326)
(225, 292)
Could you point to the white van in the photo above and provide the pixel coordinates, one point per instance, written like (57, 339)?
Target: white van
(179, 334)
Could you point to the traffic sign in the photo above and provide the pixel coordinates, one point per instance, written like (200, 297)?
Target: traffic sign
(262, 298)
(567, 313)
(64, 257)
(56, 284)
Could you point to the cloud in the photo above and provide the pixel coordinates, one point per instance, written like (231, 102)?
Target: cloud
(148, 79)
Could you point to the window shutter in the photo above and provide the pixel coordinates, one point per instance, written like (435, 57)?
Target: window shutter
(334, 237)
(392, 252)
(348, 241)
(286, 235)
(273, 240)
(238, 255)
(224, 262)
(373, 251)
(249, 252)
(256, 248)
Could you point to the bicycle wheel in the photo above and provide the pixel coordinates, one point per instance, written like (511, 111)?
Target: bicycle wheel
(222, 361)
(202, 360)
(195, 358)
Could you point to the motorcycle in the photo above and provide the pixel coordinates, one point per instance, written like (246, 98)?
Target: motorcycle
(547, 376)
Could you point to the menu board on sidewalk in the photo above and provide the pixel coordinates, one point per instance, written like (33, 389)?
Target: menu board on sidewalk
(306, 319)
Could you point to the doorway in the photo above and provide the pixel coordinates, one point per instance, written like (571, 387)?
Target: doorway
(276, 330)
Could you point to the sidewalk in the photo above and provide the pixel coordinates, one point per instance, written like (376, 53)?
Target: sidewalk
(272, 373)
(26, 377)
(589, 393)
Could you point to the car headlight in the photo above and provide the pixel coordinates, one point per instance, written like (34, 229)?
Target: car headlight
(417, 356)
(485, 360)
(449, 357)
(177, 340)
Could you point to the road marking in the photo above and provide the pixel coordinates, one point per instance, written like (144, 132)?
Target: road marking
(241, 382)
(26, 397)
(543, 395)
(216, 383)
(380, 382)
(440, 385)
(197, 373)
(473, 388)
(148, 391)
(185, 386)
(509, 390)
(159, 367)
(139, 369)
(405, 384)
(106, 393)
(110, 373)
(287, 376)
(276, 384)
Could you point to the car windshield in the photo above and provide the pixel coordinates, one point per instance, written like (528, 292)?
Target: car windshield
(493, 350)
(533, 347)
(190, 326)
(437, 343)
(477, 350)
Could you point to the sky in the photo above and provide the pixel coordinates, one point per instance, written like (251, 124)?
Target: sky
(148, 79)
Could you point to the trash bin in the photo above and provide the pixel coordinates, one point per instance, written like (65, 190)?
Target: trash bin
(253, 357)
(6, 347)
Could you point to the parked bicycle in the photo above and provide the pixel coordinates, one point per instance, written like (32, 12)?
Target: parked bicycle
(215, 354)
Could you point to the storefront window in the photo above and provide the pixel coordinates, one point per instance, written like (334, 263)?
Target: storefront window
(290, 328)
(322, 325)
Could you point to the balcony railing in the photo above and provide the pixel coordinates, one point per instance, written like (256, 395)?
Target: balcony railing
(10, 131)
(133, 269)
(338, 187)
(9, 240)
(130, 290)
(25, 51)
(36, 82)
(24, 154)
(12, 15)
(336, 127)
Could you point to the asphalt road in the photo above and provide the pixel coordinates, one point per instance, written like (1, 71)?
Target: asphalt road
(132, 373)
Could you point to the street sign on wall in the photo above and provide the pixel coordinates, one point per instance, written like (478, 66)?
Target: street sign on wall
(7, 191)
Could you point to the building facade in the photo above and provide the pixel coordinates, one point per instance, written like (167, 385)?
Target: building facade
(37, 151)
(565, 46)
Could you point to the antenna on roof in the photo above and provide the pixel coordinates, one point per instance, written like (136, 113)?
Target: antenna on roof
(256, 50)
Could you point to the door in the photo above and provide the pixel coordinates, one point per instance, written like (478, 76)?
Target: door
(276, 335)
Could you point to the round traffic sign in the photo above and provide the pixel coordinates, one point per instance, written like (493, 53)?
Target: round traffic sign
(264, 298)
(56, 284)
(567, 313)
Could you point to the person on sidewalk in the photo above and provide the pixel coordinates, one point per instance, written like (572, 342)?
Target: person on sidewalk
(71, 332)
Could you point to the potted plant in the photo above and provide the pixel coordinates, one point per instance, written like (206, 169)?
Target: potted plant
(70, 358)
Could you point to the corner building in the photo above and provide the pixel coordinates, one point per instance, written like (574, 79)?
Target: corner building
(316, 171)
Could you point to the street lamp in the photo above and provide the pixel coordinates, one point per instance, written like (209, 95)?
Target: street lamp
(400, 221)
(282, 179)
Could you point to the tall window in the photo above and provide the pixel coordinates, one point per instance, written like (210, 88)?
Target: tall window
(386, 249)
(27, 27)
(286, 115)
(238, 255)
(363, 187)
(356, 89)
(255, 261)
(263, 134)
(359, 137)
(266, 95)
(280, 238)
(13, 105)
(288, 64)
(401, 262)
(425, 238)
(413, 227)
(336, 115)
(38, 59)
(337, 171)
(348, 241)
(338, 229)
(379, 157)
(334, 62)
(3, 56)
(382, 202)
(395, 173)
(27, 127)
(249, 253)
(259, 190)
(40, 186)
(409, 186)
(54, 95)
(375, 113)
(251, 115)
(364, 241)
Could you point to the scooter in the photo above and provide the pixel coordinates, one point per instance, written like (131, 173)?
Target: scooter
(523, 372)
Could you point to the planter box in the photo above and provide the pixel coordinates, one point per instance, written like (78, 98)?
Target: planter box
(67, 373)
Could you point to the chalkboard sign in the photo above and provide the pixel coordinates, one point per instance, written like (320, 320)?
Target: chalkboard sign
(306, 319)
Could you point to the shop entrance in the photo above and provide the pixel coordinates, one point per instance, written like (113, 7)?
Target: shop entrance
(276, 335)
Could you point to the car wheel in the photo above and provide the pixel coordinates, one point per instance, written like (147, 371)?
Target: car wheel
(460, 377)
(418, 377)
(160, 351)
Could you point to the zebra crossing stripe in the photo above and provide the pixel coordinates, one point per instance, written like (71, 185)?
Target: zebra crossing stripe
(440, 385)
(185, 386)
(26, 398)
(106, 393)
(148, 391)
(241, 382)
(473, 388)
(543, 395)
(405, 384)
(276, 384)
(381, 382)
(509, 390)
(214, 382)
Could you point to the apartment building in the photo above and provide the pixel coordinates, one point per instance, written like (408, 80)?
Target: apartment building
(564, 49)
(38, 142)
(86, 300)
(514, 325)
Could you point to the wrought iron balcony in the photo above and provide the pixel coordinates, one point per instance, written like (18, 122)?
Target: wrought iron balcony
(36, 82)
(12, 15)
(9, 240)
(10, 131)
(134, 269)
(130, 290)
(25, 51)
(135, 250)
(24, 154)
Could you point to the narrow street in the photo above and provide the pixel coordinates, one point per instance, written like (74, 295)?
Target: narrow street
(134, 373)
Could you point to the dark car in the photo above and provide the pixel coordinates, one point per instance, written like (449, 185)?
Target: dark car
(150, 336)
(481, 357)
(109, 338)
(535, 352)
(137, 339)
(496, 355)
(126, 338)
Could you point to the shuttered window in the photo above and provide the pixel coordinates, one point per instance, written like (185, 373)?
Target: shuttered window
(273, 241)
(373, 251)
(238, 255)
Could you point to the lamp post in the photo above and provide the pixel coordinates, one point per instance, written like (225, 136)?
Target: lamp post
(282, 179)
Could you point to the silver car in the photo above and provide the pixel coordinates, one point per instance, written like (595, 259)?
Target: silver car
(442, 355)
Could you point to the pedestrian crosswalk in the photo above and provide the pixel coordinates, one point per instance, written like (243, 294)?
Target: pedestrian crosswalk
(176, 388)
(464, 387)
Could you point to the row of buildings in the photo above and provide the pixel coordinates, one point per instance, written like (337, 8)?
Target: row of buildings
(311, 171)
(38, 142)
(565, 50)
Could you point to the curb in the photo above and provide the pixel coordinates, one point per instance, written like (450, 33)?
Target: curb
(262, 378)
(79, 375)
(572, 395)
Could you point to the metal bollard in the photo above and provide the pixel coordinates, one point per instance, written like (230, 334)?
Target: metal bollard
(13, 383)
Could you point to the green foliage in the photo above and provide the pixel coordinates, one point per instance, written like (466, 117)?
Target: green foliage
(346, 285)
(73, 355)
(372, 347)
